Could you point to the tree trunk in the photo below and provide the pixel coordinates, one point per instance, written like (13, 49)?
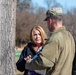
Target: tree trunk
(7, 37)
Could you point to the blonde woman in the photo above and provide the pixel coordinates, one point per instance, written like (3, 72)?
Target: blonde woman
(37, 40)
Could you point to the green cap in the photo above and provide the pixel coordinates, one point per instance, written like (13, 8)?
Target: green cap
(53, 12)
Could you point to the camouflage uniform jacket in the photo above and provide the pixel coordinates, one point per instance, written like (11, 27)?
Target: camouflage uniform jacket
(57, 54)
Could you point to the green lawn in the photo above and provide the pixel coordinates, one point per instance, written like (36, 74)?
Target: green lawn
(18, 54)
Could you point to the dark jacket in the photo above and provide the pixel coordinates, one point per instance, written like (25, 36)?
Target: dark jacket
(28, 50)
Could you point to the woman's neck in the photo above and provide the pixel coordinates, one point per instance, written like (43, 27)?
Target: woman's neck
(38, 45)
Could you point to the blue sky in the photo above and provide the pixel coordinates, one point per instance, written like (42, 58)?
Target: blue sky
(67, 4)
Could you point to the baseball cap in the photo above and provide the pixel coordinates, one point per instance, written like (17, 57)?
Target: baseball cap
(53, 12)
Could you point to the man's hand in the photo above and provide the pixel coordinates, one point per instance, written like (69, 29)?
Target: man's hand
(27, 58)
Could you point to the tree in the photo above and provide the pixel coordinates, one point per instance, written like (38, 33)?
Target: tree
(69, 19)
(23, 4)
(52, 3)
(7, 37)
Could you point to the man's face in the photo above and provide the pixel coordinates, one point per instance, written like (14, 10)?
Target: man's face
(50, 24)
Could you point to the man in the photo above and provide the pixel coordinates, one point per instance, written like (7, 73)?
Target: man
(58, 53)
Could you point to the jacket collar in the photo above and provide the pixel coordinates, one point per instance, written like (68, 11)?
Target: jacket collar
(58, 30)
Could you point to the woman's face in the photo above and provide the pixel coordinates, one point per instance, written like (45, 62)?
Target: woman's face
(37, 37)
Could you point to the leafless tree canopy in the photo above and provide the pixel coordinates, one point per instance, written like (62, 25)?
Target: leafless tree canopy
(34, 15)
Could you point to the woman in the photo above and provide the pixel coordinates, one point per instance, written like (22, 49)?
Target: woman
(38, 38)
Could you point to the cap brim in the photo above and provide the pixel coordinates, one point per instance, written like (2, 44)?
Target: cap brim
(46, 19)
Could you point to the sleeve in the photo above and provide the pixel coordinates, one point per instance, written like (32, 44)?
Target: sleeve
(38, 63)
(46, 58)
(21, 62)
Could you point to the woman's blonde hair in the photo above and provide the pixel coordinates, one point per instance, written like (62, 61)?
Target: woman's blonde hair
(42, 32)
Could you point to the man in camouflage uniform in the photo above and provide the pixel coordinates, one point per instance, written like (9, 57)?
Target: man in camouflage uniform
(58, 53)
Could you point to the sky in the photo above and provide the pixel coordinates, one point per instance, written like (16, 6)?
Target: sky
(66, 4)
